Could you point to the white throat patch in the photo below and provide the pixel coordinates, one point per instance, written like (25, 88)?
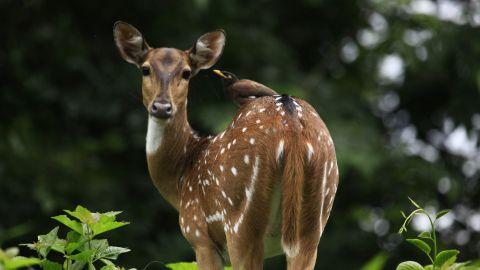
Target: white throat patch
(155, 131)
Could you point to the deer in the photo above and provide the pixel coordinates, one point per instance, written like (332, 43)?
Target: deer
(263, 187)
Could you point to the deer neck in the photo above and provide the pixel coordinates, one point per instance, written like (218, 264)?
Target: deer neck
(167, 145)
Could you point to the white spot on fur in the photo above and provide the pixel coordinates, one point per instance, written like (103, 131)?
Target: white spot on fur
(324, 182)
(244, 129)
(154, 134)
(258, 121)
(221, 168)
(252, 140)
(280, 149)
(261, 110)
(197, 233)
(310, 150)
(249, 191)
(246, 159)
(237, 224)
(234, 171)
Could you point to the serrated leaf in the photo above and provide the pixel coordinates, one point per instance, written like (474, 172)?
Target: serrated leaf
(49, 265)
(425, 235)
(83, 214)
(99, 247)
(414, 203)
(445, 256)
(441, 214)
(72, 224)
(84, 256)
(46, 241)
(409, 265)
(106, 224)
(421, 245)
(20, 262)
(112, 252)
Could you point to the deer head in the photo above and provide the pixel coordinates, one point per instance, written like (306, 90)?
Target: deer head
(166, 71)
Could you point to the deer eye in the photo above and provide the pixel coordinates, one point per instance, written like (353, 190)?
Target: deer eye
(186, 74)
(145, 71)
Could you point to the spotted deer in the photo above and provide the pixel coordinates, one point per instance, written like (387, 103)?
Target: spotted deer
(262, 187)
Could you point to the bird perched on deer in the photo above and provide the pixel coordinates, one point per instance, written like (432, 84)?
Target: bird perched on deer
(242, 91)
(262, 187)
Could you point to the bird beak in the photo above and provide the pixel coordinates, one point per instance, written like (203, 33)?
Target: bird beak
(219, 73)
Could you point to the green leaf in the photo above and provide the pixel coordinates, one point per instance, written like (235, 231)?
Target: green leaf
(409, 265)
(377, 262)
(99, 246)
(72, 224)
(49, 265)
(414, 203)
(74, 241)
(112, 252)
(403, 214)
(425, 235)
(445, 256)
(109, 267)
(183, 266)
(421, 245)
(441, 214)
(78, 265)
(19, 262)
(45, 242)
(59, 245)
(83, 214)
(106, 223)
(107, 262)
(91, 266)
(84, 256)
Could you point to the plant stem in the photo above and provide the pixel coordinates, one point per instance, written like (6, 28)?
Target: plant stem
(434, 237)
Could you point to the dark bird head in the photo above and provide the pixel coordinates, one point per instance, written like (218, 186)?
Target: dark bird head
(227, 78)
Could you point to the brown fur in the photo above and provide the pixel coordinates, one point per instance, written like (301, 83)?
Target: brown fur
(226, 201)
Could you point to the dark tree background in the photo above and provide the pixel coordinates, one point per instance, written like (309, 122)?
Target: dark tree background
(396, 81)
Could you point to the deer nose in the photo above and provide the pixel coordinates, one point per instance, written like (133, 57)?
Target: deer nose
(161, 109)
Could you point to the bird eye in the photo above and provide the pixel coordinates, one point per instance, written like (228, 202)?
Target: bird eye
(186, 74)
(145, 71)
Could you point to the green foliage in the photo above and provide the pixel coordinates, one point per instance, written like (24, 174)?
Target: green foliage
(80, 249)
(9, 260)
(427, 243)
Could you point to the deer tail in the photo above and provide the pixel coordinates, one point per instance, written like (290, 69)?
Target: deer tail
(292, 189)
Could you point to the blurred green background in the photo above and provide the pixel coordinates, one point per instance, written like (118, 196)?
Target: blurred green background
(396, 81)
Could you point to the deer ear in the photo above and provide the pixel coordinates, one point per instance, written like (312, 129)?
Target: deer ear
(207, 50)
(130, 42)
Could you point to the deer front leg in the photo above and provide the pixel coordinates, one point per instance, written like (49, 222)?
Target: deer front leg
(208, 258)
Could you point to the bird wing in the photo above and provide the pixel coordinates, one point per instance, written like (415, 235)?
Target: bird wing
(248, 88)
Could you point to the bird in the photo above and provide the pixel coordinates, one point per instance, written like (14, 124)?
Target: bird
(242, 91)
